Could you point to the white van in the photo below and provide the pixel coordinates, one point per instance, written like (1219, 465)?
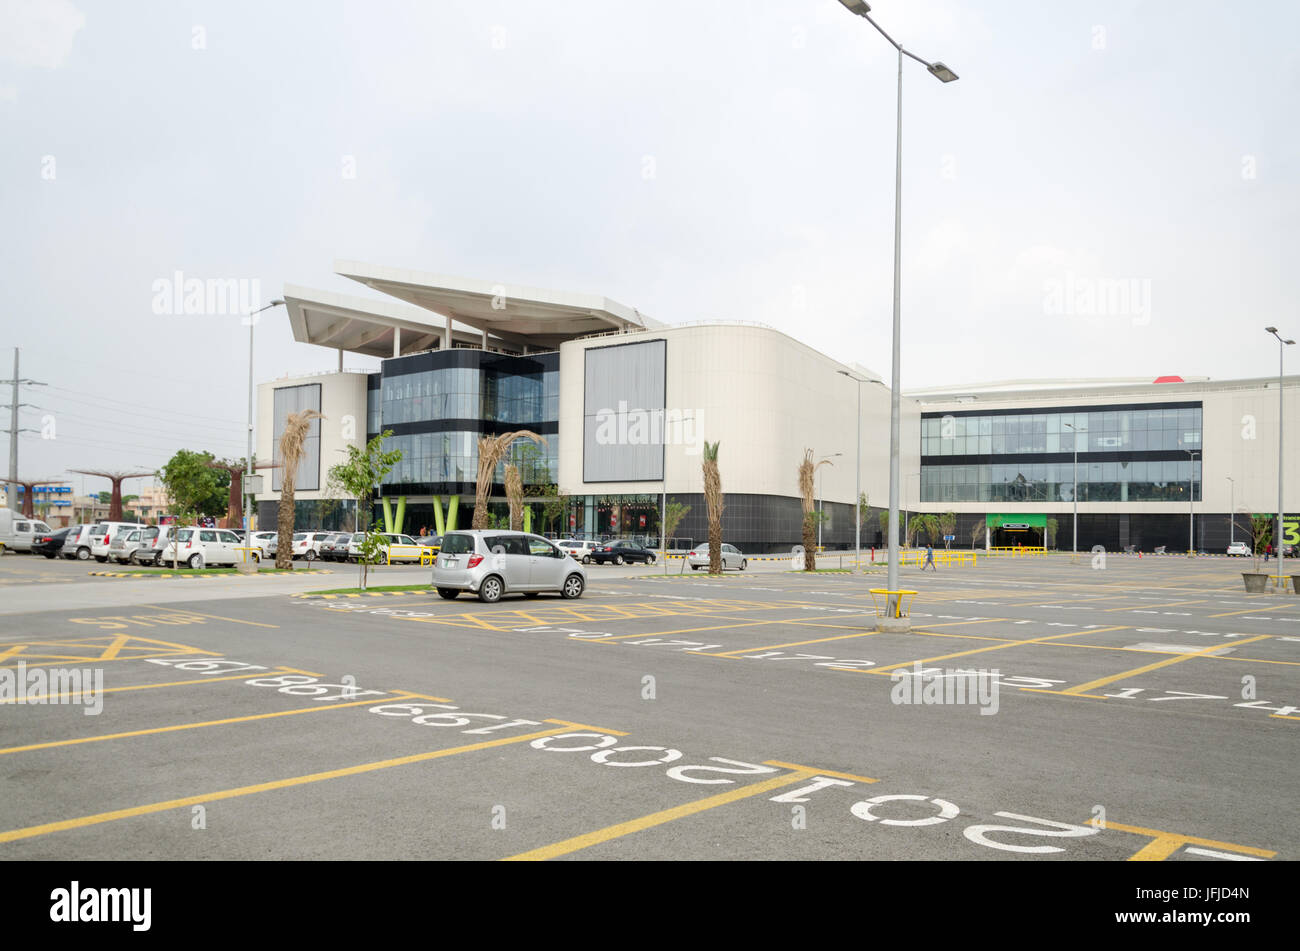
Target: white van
(199, 547)
(17, 531)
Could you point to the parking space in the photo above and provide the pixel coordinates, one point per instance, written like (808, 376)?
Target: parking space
(1102, 718)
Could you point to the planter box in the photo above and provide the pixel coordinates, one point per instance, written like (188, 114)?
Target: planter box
(1256, 582)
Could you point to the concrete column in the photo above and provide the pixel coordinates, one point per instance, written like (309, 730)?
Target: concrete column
(485, 336)
(397, 341)
(340, 361)
(445, 343)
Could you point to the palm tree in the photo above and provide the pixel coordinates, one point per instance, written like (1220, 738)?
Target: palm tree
(491, 450)
(296, 427)
(807, 489)
(515, 496)
(713, 501)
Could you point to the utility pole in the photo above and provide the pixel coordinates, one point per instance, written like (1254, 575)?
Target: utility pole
(13, 430)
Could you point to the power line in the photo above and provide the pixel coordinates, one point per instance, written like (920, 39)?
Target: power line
(98, 400)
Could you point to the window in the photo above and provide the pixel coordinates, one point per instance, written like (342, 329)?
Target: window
(543, 549)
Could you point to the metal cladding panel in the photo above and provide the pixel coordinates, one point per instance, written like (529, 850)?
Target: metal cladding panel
(294, 399)
(623, 413)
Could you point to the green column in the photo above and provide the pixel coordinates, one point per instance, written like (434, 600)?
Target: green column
(437, 515)
(388, 515)
(452, 504)
(528, 518)
(401, 514)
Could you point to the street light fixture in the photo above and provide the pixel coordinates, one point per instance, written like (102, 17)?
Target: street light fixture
(1281, 345)
(945, 75)
(1191, 501)
(857, 478)
(248, 460)
(1074, 491)
(1232, 509)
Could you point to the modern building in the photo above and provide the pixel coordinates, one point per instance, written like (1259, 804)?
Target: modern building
(624, 405)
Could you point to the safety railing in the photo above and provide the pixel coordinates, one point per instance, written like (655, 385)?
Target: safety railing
(1017, 550)
(892, 603)
(425, 553)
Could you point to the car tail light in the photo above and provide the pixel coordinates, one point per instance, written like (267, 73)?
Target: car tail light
(190, 543)
(474, 560)
(106, 539)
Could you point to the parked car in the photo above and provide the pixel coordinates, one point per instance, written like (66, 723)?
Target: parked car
(18, 533)
(1238, 548)
(579, 548)
(429, 541)
(621, 551)
(77, 542)
(201, 547)
(124, 547)
(335, 548)
(50, 544)
(387, 540)
(492, 563)
(261, 541)
(307, 545)
(731, 558)
(102, 535)
(152, 542)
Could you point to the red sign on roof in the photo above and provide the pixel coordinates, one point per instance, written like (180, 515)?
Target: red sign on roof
(1170, 379)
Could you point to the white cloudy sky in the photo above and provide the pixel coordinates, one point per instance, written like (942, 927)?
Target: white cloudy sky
(1146, 142)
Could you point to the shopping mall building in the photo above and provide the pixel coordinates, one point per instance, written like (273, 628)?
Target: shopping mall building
(625, 404)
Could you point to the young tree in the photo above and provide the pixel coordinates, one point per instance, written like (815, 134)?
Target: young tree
(1049, 533)
(884, 526)
(491, 450)
(193, 485)
(674, 512)
(292, 445)
(807, 496)
(977, 532)
(947, 525)
(358, 477)
(1261, 534)
(713, 501)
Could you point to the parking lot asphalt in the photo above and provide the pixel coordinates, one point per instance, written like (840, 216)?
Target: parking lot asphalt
(1134, 709)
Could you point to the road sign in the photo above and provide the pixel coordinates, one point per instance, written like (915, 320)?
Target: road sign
(950, 538)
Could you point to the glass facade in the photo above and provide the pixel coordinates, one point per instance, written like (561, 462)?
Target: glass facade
(1132, 453)
(438, 404)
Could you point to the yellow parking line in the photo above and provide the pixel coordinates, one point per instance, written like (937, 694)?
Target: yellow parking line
(16, 649)
(214, 617)
(995, 647)
(111, 651)
(819, 640)
(1178, 658)
(584, 726)
(1164, 844)
(187, 726)
(1266, 607)
(45, 829)
(820, 772)
(1145, 607)
(577, 843)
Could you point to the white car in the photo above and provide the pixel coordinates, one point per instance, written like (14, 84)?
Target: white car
(261, 542)
(579, 548)
(126, 545)
(18, 533)
(1238, 548)
(386, 540)
(102, 535)
(77, 543)
(199, 547)
(306, 545)
(731, 558)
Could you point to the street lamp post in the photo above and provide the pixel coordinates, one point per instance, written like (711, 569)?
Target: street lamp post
(1191, 501)
(1282, 344)
(1074, 489)
(943, 74)
(1232, 509)
(857, 478)
(248, 460)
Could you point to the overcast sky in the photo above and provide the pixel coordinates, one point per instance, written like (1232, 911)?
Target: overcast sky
(1110, 189)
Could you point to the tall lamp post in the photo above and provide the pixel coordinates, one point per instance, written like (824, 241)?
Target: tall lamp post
(1282, 344)
(943, 74)
(1074, 489)
(1232, 509)
(857, 478)
(822, 502)
(1191, 502)
(248, 460)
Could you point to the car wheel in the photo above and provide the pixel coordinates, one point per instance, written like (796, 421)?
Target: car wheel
(490, 590)
(49, 554)
(573, 586)
(695, 567)
(83, 554)
(586, 559)
(448, 593)
(650, 560)
(743, 564)
(310, 556)
(618, 559)
(196, 561)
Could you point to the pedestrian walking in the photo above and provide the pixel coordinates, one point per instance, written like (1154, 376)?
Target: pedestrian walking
(929, 558)
(1268, 550)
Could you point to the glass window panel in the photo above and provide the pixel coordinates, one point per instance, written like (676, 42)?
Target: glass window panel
(986, 444)
(986, 426)
(999, 425)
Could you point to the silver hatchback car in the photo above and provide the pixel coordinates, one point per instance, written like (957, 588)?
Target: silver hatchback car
(491, 562)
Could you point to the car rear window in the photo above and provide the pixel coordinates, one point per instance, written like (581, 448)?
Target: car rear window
(457, 544)
(99, 529)
(507, 544)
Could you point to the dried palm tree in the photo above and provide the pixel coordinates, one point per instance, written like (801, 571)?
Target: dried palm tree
(515, 496)
(713, 501)
(491, 450)
(292, 442)
(807, 490)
